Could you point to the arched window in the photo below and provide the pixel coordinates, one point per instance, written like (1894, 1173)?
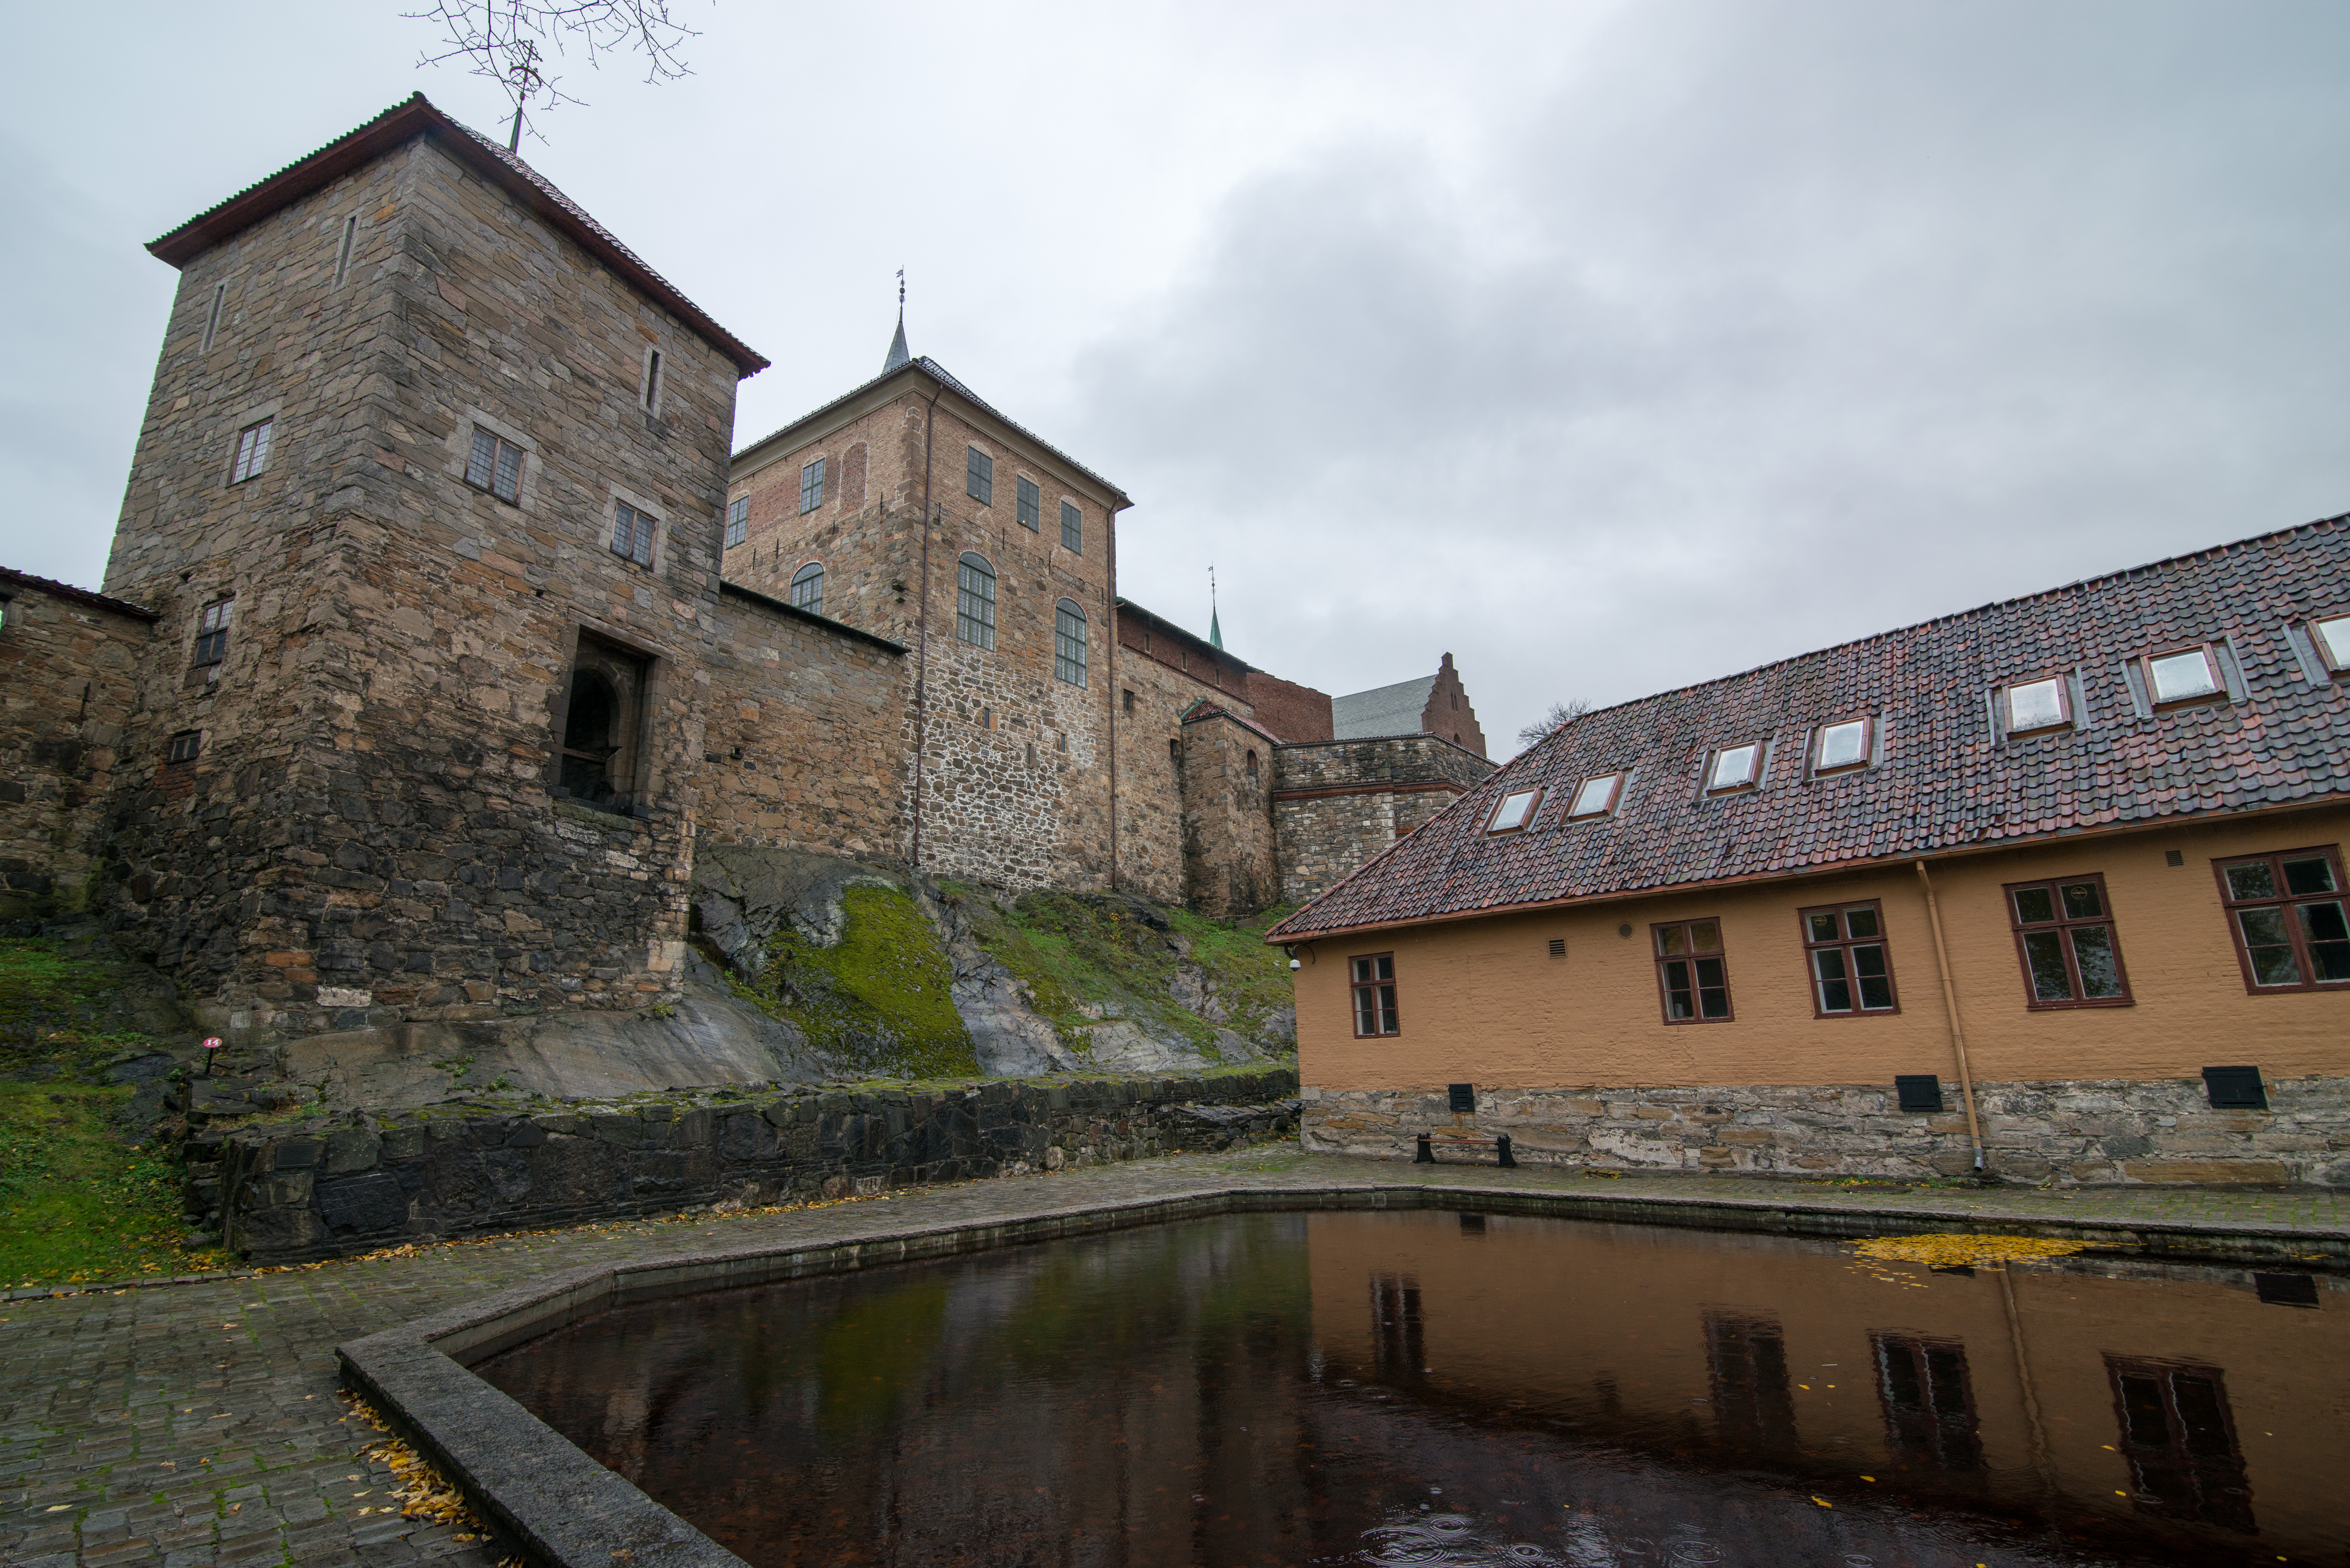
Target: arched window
(1069, 642)
(807, 588)
(1251, 765)
(976, 601)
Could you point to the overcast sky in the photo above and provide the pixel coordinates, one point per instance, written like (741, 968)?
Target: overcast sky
(1608, 347)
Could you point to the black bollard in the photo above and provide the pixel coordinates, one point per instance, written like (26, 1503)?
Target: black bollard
(1503, 1143)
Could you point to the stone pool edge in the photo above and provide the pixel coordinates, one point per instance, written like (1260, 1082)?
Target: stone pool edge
(539, 1492)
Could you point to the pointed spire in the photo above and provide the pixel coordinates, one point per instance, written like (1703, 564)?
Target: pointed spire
(898, 354)
(1215, 626)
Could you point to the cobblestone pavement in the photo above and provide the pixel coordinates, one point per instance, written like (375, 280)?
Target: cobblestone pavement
(199, 1423)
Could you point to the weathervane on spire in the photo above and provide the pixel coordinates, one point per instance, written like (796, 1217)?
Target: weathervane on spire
(898, 354)
(1215, 626)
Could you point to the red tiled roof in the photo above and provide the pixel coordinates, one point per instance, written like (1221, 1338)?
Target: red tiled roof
(1946, 780)
(80, 596)
(415, 118)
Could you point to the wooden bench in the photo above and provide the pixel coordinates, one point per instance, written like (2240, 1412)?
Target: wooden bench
(1499, 1142)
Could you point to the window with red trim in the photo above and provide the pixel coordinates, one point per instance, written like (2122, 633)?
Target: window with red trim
(2331, 633)
(2064, 940)
(1375, 995)
(1516, 809)
(2042, 702)
(2182, 675)
(1843, 745)
(1595, 796)
(2287, 913)
(1692, 975)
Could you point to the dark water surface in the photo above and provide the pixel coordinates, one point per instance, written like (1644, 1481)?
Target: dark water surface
(1459, 1388)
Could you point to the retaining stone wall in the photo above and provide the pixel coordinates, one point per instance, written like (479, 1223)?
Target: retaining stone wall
(2118, 1131)
(293, 1192)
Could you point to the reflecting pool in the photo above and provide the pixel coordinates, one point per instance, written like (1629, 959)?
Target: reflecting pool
(1433, 1387)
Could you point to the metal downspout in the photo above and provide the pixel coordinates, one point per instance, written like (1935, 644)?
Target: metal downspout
(1951, 1003)
(922, 635)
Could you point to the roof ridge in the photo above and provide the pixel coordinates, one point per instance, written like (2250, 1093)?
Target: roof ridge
(85, 596)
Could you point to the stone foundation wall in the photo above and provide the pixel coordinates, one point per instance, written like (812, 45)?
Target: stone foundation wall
(296, 1191)
(2116, 1131)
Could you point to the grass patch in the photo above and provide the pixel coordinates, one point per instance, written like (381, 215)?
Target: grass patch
(76, 1204)
(878, 1001)
(1087, 958)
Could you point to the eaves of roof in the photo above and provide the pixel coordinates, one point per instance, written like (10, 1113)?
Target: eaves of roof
(794, 612)
(79, 596)
(1161, 623)
(1948, 780)
(1203, 710)
(532, 190)
(930, 370)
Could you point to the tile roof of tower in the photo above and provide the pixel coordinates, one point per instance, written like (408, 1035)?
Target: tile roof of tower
(418, 117)
(1946, 780)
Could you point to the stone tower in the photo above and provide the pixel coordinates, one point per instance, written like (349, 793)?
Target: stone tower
(428, 497)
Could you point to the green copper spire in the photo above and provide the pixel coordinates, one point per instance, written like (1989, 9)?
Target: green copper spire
(1216, 627)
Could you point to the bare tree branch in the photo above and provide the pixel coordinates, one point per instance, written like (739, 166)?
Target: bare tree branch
(511, 42)
(1561, 714)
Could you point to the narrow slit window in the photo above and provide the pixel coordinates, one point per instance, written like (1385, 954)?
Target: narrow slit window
(632, 533)
(212, 631)
(1028, 503)
(1692, 974)
(185, 747)
(2064, 940)
(976, 601)
(2332, 636)
(1073, 529)
(213, 315)
(343, 251)
(1515, 810)
(650, 391)
(1375, 996)
(2032, 706)
(1595, 796)
(1125, 702)
(496, 465)
(812, 485)
(2185, 676)
(738, 522)
(1069, 642)
(1734, 768)
(2287, 914)
(252, 451)
(1841, 746)
(1843, 944)
(979, 476)
(807, 588)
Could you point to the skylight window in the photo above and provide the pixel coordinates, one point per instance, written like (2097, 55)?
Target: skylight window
(2181, 677)
(1844, 744)
(1596, 797)
(1734, 767)
(2333, 638)
(1517, 809)
(2043, 704)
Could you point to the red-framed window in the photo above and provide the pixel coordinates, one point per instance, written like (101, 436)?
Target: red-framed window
(1734, 768)
(2064, 940)
(2287, 913)
(1844, 746)
(1514, 811)
(1595, 796)
(1374, 982)
(1692, 973)
(1851, 967)
(2182, 675)
(2331, 633)
(2037, 704)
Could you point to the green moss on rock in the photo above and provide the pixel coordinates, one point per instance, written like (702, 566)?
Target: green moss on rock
(877, 1002)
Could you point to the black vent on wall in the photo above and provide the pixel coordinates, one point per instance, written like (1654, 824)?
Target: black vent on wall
(2276, 1290)
(2235, 1088)
(1919, 1091)
(1558, 947)
(1464, 1096)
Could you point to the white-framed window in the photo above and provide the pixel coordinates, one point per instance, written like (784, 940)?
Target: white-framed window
(2331, 633)
(1595, 796)
(2182, 675)
(2042, 702)
(252, 450)
(1843, 745)
(1515, 811)
(975, 600)
(812, 485)
(632, 533)
(1069, 642)
(1734, 768)
(807, 588)
(738, 521)
(494, 464)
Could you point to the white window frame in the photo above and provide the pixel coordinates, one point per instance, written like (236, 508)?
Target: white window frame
(2215, 680)
(2333, 648)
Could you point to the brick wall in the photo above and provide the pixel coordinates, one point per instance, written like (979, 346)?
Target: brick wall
(367, 835)
(69, 672)
(1292, 711)
(1339, 804)
(1448, 712)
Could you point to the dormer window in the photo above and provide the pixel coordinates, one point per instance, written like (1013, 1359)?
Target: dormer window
(2032, 706)
(1517, 809)
(1596, 797)
(2331, 635)
(1734, 768)
(2181, 677)
(1843, 745)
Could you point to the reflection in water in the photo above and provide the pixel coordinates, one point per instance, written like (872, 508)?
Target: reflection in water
(1518, 1392)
